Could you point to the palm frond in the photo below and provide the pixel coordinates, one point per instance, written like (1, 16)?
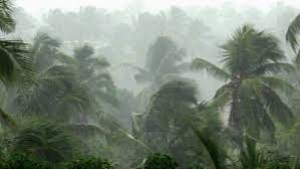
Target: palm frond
(278, 84)
(276, 107)
(7, 121)
(201, 64)
(7, 23)
(292, 32)
(273, 68)
(216, 154)
(250, 48)
(14, 59)
(45, 141)
(222, 97)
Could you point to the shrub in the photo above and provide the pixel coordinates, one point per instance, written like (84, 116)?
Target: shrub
(159, 161)
(46, 142)
(89, 163)
(23, 161)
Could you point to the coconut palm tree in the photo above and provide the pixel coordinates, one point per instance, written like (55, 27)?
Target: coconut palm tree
(13, 59)
(55, 91)
(171, 120)
(250, 60)
(164, 63)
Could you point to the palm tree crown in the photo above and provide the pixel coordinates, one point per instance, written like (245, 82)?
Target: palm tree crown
(251, 58)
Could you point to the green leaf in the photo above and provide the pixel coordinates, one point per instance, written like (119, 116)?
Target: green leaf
(201, 64)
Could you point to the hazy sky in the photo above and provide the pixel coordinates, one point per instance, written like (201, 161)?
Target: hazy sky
(41, 6)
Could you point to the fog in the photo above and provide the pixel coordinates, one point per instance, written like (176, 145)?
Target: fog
(150, 84)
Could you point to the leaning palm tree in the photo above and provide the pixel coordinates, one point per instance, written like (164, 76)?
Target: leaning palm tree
(251, 58)
(13, 59)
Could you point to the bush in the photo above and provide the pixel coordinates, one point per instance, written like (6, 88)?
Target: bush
(23, 161)
(89, 163)
(159, 161)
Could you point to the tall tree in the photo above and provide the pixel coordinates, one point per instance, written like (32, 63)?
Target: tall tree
(164, 62)
(250, 60)
(55, 90)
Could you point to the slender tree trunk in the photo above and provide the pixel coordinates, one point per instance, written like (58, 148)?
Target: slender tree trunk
(235, 117)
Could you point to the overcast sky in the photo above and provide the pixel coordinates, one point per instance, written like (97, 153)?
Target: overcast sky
(40, 6)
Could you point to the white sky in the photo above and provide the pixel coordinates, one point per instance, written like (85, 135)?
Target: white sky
(36, 7)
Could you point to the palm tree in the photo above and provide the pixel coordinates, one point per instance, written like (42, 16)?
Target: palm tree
(55, 90)
(13, 60)
(251, 58)
(171, 120)
(164, 63)
(93, 72)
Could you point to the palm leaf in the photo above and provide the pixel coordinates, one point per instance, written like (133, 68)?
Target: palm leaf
(276, 107)
(7, 23)
(222, 97)
(14, 59)
(278, 84)
(273, 68)
(201, 64)
(292, 32)
(6, 120)
(216, 153)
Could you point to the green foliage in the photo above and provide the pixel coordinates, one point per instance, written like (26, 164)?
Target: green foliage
(7, 22)
(23, 161)
(46, 142)
(159, 161)
(89, 163)
(254, 156)
(14, 60)
(163, 58)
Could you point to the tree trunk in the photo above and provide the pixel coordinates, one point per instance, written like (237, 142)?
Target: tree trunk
(235, 117)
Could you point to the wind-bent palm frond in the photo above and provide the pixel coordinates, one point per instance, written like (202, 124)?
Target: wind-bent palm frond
(216, 153)
(14, 59)
(7, 23)
(292, 32)
(278, 84)
(222, 97)
(273, 68)
(201, 64)
(254, 156)
(6, 120)
(45, 141)
(277, 107)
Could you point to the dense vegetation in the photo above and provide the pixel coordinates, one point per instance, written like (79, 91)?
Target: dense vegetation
(60, 106)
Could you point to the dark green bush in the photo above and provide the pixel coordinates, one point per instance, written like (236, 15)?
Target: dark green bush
(23, 161)
(89, 163)
(159, 161)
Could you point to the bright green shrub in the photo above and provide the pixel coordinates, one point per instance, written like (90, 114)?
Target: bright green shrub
(89, 163)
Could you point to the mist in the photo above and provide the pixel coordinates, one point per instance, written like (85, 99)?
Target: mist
(140, 84)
